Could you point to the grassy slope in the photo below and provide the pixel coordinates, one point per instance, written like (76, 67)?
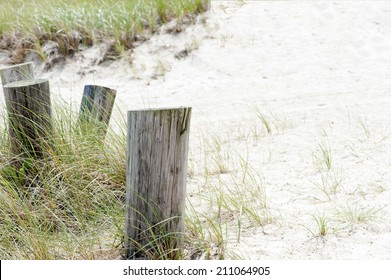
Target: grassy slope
(28, 24)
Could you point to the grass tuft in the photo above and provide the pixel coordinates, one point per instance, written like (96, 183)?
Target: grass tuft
(354, 215)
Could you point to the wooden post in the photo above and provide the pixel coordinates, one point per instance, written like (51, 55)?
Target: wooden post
(157, 148)
(17, 73)
(96, 106)
(29, 113)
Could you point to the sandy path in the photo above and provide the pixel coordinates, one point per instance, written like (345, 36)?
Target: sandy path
(319, 72)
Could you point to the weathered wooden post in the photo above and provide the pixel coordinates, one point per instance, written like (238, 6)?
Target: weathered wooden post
(157, 148)
(96, 107)
(16, 73)
(29, 113)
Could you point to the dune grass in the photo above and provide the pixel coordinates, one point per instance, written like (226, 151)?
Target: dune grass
(71, 205)
(68, 204)
(71, 23)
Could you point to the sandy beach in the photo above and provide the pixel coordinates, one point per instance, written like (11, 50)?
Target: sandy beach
(290, 121)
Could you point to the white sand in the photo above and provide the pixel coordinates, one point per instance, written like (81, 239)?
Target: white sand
(320, 71)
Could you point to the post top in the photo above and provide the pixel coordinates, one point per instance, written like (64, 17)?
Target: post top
(161, 109)
(98, 86)
(25, 83)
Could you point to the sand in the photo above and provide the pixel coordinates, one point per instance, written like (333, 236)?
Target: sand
(318, 72)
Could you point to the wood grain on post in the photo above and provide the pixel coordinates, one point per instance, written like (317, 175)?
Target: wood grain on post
(96, 106)
(29, 114)
(16, 73)
(157, 149)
